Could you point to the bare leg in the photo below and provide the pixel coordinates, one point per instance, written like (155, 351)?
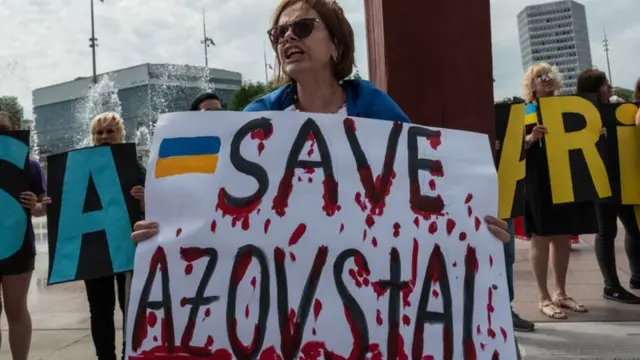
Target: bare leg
(560, 254)
(539, 258)
(14, 291)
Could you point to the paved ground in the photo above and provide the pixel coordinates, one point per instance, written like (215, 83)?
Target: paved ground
(608, 331)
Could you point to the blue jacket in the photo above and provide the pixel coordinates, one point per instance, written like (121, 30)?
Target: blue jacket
(363, 100)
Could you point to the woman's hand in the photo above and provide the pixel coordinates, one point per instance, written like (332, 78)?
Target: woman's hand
(137, 192)
(537, 133)
(498, 228)
(144, 230)
(29, 200)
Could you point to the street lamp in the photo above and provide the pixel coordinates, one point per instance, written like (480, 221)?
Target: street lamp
(93, 44)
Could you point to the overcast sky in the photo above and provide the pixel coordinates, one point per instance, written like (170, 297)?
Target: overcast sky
(44, 42)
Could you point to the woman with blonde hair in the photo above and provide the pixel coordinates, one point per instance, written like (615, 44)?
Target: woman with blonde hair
(106, 129)
(549, 225)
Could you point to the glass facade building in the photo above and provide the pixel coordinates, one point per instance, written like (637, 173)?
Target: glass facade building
(143, 92)
(556, 33)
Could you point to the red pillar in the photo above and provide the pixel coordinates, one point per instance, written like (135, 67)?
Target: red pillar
(433, 57)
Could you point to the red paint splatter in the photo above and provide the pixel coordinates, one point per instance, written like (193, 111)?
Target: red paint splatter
(270, 353)
(267, 223)
(490, 310)
(253, 283)
(477, 223)
(311, 138)
(299, 179)
(330, 196)
(366, 282)
(396, 230)
(191, 254)
(214, 225)
(490, 261)
(162, 352)
(451, 224)
(364, 235)
(155, 338)
(188, 269)
(309, 170)
(432, 185)
(469, 349)
(406, 320)
(462, 236)
(361, 265)
(436, 169)
(349, 125)
(317, 308)
(360, 202)
(152, 319)
(504, 333)
(378, 289)
(207, 312)
(435, 294)
(469, 211)
(478, 330)
(435, 140)
(374, 242)
(341, 228)
(468, 199)
(244, 260)
(258, 211)
(183, 302)
(496, 355)
(262, 135)
(178, 232)
(209, 343)
(297, 234)
(379, 320)
(292, 256)
(236, 214)
(370, 221)
(246, 311)
(416, 222)
(433, 227)
(310, 180)
(483, 346)
(455, 264)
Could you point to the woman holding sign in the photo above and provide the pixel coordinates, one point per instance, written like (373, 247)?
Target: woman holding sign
(107, 129)
(16, 270)
(549, 225)
(593, 81)
(314, 43)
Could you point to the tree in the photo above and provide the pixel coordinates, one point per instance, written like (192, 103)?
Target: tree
(624, 94)
(249, 92)
(11, 105)
(511, 100)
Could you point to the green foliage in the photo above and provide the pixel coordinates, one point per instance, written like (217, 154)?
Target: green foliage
(624, 94)
(249, 92)
(11, 105)
(511, 100)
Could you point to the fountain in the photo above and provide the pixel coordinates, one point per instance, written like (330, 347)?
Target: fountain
(173, 82)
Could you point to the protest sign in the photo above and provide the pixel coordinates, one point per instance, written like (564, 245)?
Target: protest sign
(14, 179)
(92, 212)
(286, 235)
(585, 162)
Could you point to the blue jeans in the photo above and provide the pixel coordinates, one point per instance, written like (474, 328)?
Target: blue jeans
(510, 258)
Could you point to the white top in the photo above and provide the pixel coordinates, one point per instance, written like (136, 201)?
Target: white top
(341, 111)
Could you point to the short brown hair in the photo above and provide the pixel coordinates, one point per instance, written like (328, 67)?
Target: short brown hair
(339, 28)
(590, 81)
(636, 92)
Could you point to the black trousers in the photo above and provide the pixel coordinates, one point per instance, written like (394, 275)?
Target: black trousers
(101, 294)
(605, 241)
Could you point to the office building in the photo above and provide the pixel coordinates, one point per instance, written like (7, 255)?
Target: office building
(143, 92)
(556, 33)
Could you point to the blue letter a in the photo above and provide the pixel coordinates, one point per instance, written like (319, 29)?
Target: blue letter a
(96, 163)
(13, 218)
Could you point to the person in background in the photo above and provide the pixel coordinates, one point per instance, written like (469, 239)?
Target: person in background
(549, 225)
(206, 102)
(107, 129)
(16, 271)
(595, 82)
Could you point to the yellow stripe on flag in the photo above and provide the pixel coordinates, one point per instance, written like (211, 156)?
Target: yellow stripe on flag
(179, 165)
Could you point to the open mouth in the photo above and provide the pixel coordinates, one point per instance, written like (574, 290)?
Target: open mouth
(292, 52)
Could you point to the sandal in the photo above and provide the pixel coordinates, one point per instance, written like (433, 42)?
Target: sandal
(549, 309)
(567, 302)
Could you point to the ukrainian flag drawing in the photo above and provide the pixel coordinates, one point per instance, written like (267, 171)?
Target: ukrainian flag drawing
(188, 155)
(530, 114)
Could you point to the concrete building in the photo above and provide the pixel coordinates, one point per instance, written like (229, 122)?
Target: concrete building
(143, 92)
(556, 33)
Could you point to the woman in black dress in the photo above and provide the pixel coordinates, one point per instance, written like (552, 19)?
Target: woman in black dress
(549, 225)
(594, 82)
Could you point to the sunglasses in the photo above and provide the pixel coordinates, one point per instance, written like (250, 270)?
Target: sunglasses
(300, 28)
(102, 132)
(544, 77)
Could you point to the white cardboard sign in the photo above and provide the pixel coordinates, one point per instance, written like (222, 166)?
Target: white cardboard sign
(287, 235)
